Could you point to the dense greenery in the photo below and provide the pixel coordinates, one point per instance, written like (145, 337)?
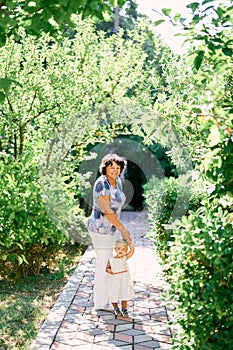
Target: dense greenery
(50, 16)
(168, 199)
(199, 247)
(62, 96)
(56, 102)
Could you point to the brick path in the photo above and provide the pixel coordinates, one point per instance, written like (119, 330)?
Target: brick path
(74, 324)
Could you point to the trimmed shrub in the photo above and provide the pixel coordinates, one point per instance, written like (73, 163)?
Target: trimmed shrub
(201, 266)
(167, 200)
(28, 238)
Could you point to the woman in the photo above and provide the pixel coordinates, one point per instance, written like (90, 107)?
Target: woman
(108, 200)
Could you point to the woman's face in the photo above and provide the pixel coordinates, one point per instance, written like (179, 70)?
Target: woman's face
(113, 171)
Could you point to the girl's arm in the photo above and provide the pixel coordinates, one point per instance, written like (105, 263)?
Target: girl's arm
(131, 251)
(104, 202)
(108, 268)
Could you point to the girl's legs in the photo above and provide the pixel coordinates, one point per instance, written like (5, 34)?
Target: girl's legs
(124, 310)
(117, 311)
(103, 245)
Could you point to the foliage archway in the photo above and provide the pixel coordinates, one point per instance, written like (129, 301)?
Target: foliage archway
(61, 162)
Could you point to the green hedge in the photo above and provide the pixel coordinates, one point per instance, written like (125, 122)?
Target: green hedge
(201, 268)
(167, 199)
(28, 238)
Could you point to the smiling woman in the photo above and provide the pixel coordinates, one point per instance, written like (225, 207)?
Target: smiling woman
(108, 200)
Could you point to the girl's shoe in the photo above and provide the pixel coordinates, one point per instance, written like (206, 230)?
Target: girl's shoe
(117, 311)
(124, 313)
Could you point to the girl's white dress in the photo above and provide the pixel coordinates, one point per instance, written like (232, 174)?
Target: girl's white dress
(120, 285)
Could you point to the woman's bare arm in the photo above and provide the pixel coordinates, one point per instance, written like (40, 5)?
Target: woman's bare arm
(104, 202)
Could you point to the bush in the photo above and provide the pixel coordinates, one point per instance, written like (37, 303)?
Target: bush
(201, 268)
(28, 238)
(167, 200)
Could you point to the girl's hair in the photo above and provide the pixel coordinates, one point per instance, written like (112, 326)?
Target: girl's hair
(109, 159)
(121, 242)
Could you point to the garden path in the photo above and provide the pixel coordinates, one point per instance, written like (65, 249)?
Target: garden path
(74, 324)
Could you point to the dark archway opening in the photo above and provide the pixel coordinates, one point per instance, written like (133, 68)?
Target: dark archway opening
(142, 163)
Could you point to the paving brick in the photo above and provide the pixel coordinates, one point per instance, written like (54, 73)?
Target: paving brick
(159, 328)
(87, 326)
(83, 347)
(142, 338)
(60, 346)
(69, 325)
(82, 295)
(73, 318)
(151, 344)
(106, 326)
(124, 337)
(44, 338)
(133, 332)
(140, 347)
(162, 338)
(117, 343)
(77, 308)
(85, 336)
(66, 338)
(159, 318)
(106, 345)
(123, 327)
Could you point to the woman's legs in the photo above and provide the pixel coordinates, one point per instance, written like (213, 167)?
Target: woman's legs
(103, 245)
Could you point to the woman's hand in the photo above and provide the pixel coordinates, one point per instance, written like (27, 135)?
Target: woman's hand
(126, 235)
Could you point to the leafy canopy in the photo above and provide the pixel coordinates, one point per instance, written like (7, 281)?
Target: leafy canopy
(48, 15)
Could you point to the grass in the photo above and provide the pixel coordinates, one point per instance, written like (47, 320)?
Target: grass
(25, 303)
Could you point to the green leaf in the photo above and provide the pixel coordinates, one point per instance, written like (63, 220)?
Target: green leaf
(11, 216)
(193, 6)
(82, 3)
(20, 260)
(156, 23)
(177, 16)
(5, 84)
(220, 11)
(227, 51)
(106, 16)
(2, 96)
(2, 39)
(166, 11)
(198, 60)
(207, 1)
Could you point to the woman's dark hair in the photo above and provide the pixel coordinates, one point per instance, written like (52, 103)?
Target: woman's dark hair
(109, 159)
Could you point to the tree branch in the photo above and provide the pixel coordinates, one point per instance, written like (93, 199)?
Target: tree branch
(33, 100)
(37, 115)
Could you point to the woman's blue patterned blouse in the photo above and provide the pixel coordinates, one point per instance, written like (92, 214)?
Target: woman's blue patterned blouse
(98, 221)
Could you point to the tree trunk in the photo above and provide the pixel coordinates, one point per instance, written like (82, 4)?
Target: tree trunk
(116, 17)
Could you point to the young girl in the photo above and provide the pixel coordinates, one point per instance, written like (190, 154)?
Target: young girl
(120, 285)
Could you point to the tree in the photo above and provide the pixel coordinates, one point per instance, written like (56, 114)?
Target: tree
(200, 261)
(48, 16)
(66, 90)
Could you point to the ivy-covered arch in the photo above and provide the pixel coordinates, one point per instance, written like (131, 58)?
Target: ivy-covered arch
(62, 185)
